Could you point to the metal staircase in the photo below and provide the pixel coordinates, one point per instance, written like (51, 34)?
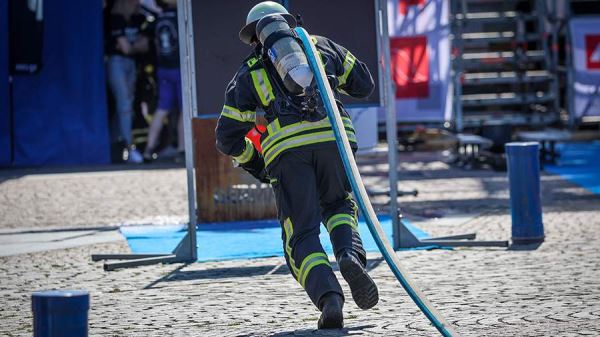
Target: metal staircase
(502, 64)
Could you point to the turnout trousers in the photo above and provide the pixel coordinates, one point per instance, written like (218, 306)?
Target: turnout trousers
(311, 188)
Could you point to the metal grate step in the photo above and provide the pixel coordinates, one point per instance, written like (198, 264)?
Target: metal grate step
(490, 61)
(492, 17)
(480, 100)
(496, 37)
(506, 77)
(507, 117)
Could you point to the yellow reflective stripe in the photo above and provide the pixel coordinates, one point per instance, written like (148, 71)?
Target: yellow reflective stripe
(341, 219)
(272, 128)
(252, 61)
(246, 154)
(302, 140)
(275, 132)
(241, 116)
(348, 65)
(309, 263)
(262, 86)
(289, 230)
(354, 205)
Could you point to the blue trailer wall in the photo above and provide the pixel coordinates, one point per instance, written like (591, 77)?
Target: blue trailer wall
(5, 151)
(60, 114)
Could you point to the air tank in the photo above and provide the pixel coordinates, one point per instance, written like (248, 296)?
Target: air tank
(285, 53)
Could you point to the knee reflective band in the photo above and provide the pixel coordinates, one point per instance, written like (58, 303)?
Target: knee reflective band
(298, 134)
(240, 116)
(246, 154)
(341, 219)
(309, 263)
(289, 230)
(361, 194)
(262, 85)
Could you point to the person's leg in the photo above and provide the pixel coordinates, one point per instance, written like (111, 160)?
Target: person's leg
(339, 212)
(294, 184)
(134, 155)
(338, 208)
(118, 82)
(179, 99)
(165, 103)
(154, 131)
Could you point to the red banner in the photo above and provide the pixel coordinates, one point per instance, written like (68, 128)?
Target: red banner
(410, 66)
(592, 51)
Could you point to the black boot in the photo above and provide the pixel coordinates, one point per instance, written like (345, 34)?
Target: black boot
(364, 290)
(332, 317)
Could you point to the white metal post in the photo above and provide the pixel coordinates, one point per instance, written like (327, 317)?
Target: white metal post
(391, 120)
(186, 54)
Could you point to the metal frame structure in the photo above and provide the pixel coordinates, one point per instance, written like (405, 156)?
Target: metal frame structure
(514, 68)
(186, 250)
(402, 237)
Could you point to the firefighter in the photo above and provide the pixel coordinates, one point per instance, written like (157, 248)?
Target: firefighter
(299, 156)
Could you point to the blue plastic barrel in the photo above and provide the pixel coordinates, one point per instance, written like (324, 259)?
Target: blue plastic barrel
(523, 161)
(60, 313)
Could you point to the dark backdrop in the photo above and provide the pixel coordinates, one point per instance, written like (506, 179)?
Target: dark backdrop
(5, 146)
(219, 52)
(352, 24)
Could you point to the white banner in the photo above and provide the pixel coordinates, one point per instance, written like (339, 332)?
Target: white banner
(420, 47)
(585, 91)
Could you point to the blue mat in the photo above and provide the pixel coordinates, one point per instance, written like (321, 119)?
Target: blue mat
(580, 164)
(237, 240)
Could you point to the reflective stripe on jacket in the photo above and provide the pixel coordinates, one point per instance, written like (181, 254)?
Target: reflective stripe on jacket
(252, 90)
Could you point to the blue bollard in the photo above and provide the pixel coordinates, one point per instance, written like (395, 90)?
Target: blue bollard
(523, 163)
(60, 313)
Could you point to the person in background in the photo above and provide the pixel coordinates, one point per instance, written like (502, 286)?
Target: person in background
(168, 76)
(125, 41)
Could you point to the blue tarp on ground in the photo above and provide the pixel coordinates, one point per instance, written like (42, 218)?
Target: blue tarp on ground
(60, 114)
(5, 147)
(580, 164)
(236, 240)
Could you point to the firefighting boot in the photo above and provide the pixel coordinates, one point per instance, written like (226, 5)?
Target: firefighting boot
(332, 317)
(364, 290)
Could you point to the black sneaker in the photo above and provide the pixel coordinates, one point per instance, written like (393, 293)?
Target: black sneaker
(364, 290)
(332, 317)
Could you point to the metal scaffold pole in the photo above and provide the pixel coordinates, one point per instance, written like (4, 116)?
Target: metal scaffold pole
(391, 120)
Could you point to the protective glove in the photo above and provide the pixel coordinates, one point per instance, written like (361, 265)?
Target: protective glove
(256, 167)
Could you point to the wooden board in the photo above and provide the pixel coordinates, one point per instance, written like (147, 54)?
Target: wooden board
(224, 192)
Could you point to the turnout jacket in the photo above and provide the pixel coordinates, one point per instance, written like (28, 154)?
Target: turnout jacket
(254, 87)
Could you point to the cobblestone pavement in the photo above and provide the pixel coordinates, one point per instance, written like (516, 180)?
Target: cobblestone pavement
(553, 290)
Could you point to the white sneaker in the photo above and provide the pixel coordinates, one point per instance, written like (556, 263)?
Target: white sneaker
(134, 156)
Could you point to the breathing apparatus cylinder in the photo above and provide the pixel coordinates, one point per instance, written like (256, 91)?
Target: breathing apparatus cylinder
(285, 53)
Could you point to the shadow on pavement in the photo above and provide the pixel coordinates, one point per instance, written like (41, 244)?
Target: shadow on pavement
(528, 247)
(178, 274)
(219, 273)
(312, 332)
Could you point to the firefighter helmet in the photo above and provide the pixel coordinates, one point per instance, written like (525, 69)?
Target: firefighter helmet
(260, 11)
